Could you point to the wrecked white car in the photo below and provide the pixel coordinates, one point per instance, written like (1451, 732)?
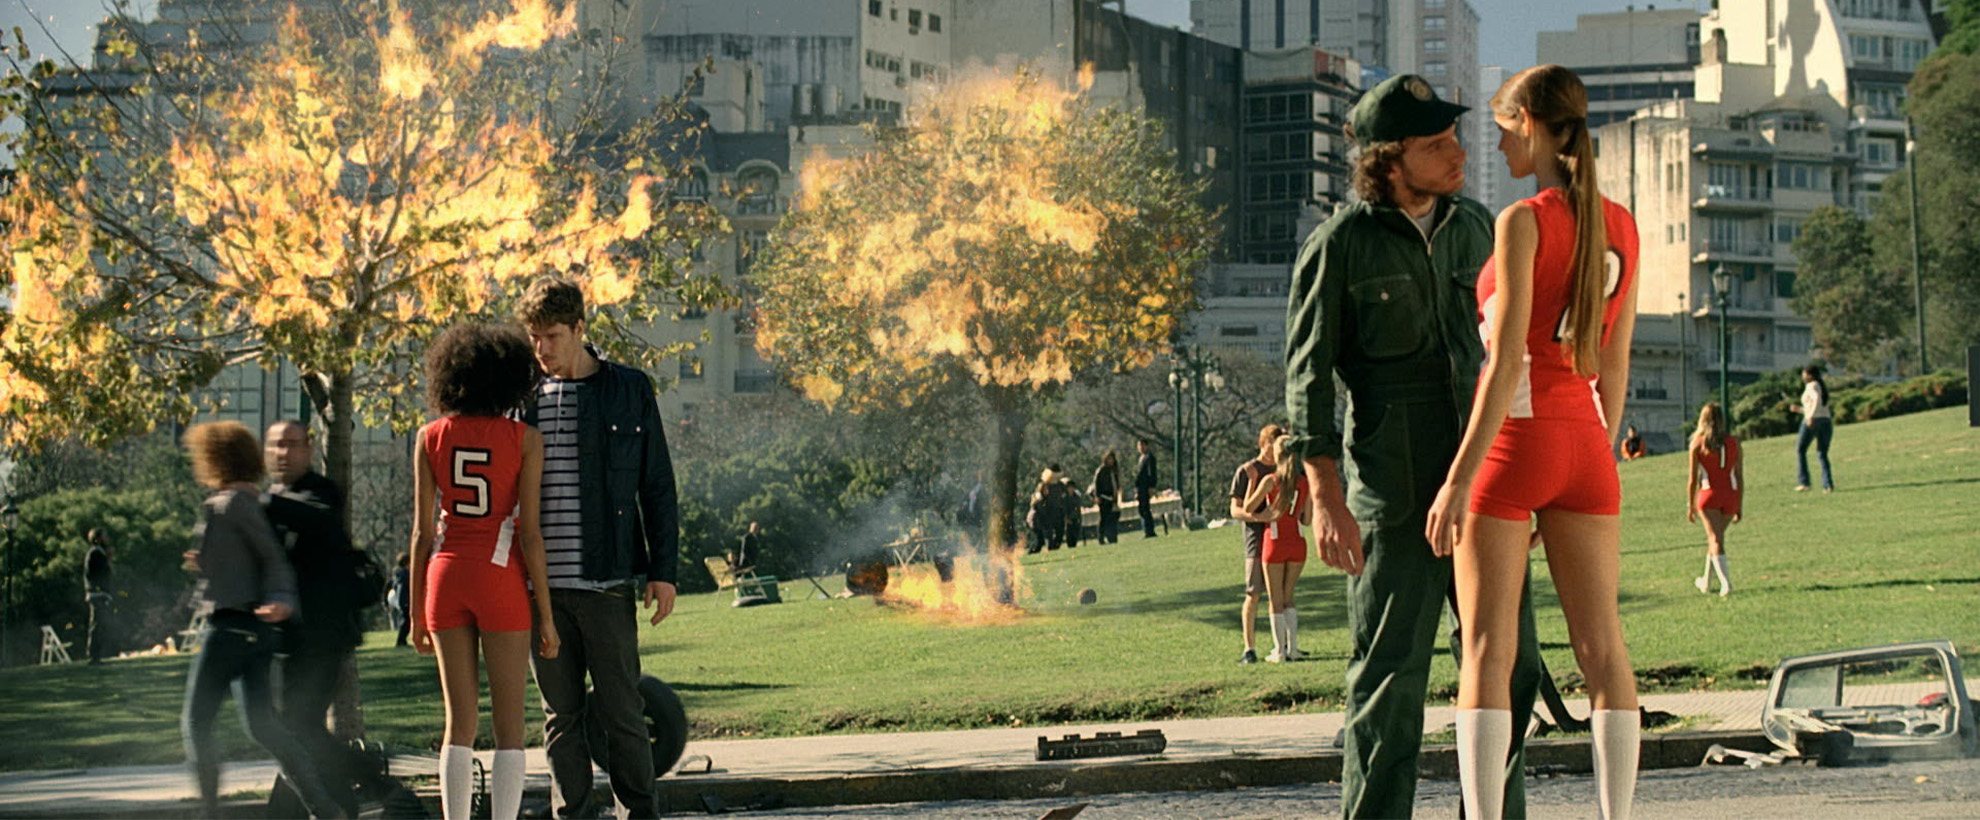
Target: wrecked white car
(1900, 702)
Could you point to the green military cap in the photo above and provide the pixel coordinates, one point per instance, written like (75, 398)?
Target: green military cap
(1398, 108)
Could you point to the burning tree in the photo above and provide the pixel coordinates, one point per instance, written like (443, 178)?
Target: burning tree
(328, 192)
(1008, 237)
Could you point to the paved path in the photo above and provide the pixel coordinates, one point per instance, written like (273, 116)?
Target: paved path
(139, 788)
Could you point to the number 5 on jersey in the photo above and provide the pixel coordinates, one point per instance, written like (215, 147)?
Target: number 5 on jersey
(463, 457)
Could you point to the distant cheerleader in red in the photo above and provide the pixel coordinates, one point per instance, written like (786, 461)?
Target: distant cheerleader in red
(1715, 484)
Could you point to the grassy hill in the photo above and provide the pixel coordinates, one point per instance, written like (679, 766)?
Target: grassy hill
(1889, 557)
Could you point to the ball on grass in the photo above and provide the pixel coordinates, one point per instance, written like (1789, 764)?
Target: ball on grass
(1087, 596)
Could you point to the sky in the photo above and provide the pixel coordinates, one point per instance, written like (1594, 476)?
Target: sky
(1506, 27)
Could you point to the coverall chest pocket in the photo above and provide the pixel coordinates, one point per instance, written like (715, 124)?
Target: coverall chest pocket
(1389, 316)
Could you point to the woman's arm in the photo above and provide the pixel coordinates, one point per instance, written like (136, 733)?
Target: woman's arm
(422, 542)
(1612, 381)
(1505, 355)
(1691, 482)
(1739, 479)
(1261, 491)
(529, 533)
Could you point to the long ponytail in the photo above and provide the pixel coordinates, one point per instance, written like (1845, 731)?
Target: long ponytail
(1555, 97)
(1588, 294)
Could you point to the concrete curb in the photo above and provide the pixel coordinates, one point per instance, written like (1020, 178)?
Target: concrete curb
(1544, 757)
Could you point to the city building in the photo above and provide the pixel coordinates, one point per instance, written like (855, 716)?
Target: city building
(1488, 180)
(1295, 162)
(1796, 105)
(1356, 29)
(1627, 59)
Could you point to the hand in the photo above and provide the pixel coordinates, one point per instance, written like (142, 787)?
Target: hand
(547, 641)
(660, 599)
(1337, 537)
(1691, 514)
(422, 640)
(1446, 525)
(1737, 515)
(273, 612)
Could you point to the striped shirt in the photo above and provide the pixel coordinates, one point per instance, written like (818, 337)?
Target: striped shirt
(557, 402)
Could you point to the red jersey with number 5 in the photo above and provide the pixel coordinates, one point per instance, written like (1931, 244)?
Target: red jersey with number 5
(1548, 386)
(477, 465)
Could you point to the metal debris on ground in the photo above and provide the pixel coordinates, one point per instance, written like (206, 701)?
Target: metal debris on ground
(1888, 703)
(1102, 744)
(1064, 812)
(1751, 760)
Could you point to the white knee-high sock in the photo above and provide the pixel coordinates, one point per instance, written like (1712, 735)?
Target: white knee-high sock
(1292, 629)
(505, 793)
(1710, 562)
(1617, 736)
(1279, 634)
(1484, 738)
(456, 782)
(1719, 566)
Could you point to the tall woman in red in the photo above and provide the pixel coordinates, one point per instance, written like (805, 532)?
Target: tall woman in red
(1715, 484)
(1284, 550)
(1558, 305)
(475, 540)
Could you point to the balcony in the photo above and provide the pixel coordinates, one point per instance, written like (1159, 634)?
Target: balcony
(1731, 145)
(1647, 393)
(1742, 250)
(1742, 360)
(1734, 198)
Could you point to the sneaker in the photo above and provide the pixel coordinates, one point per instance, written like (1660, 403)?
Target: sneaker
(1275, 657)
(1724, 591)
(1296, 655)
(1801, 488)
(1703, 584)
(1827, 490)
(1249, 657)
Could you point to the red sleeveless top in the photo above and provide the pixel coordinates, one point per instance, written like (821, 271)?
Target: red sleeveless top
(1717, 467)
(1548, 385)
(477, 466)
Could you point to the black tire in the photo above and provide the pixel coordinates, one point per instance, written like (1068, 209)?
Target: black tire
(666, 726)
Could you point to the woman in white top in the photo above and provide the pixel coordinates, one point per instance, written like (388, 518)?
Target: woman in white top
(1816, 426)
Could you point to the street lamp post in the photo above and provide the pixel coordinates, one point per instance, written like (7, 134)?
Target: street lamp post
(1722, 287)
(1177, 378)
(1197, 370)
(1917, 274)
(9, 515)
(1684, 359)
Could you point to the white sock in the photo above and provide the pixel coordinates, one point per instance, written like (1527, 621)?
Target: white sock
(1707, 574)
(1292, 629)
(1617, 736)
(507, 788)
(1279, 634)
(1484, 739)
(1719, 566)
(456, 782)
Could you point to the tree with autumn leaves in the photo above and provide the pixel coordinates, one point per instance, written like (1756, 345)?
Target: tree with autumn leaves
(1008, 237)
(328, 193)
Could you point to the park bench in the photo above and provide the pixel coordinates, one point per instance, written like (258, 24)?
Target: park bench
(1166, 507)
(750, 587)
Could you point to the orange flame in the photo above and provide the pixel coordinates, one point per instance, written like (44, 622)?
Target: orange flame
(975, 595)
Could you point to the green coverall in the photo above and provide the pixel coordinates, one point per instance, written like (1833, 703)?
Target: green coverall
(1394, 312)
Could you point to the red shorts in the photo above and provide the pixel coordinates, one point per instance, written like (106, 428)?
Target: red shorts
(469, 592)
(1538, 464)
(1725, 501)
(1289, 548)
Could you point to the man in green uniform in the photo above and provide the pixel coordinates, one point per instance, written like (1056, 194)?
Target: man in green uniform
(1384, 296)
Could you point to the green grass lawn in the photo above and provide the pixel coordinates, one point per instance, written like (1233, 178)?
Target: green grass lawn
(1890, 557)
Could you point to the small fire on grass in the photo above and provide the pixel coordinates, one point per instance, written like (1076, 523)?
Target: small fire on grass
(975, 588)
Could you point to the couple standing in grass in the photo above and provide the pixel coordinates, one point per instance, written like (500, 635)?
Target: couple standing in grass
(1486, 367)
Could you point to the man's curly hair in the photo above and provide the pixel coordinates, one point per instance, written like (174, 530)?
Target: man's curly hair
(223, 453)
(1371, 171)
(479, 369)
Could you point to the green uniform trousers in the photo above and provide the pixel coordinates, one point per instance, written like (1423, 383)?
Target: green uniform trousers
(1395, 610)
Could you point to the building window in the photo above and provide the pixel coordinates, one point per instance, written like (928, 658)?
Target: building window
(935, 23)
(1436, 46)
(1435, 4)
(1802, 176)
(873, 7)
(914, 20)
(1435, 23)
(1238, 330)
(691, 369)
(1786, 229)
(1866, 47)
(1880, 153)
(1437, 68)
(1791, 339)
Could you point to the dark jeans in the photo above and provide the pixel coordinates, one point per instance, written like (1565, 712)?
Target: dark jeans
(1110, 523)
(600, 635)
(100, 645)
(1147, 515)
(1820, 431)
(309, 683)
(237, 654)
(405, 626)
